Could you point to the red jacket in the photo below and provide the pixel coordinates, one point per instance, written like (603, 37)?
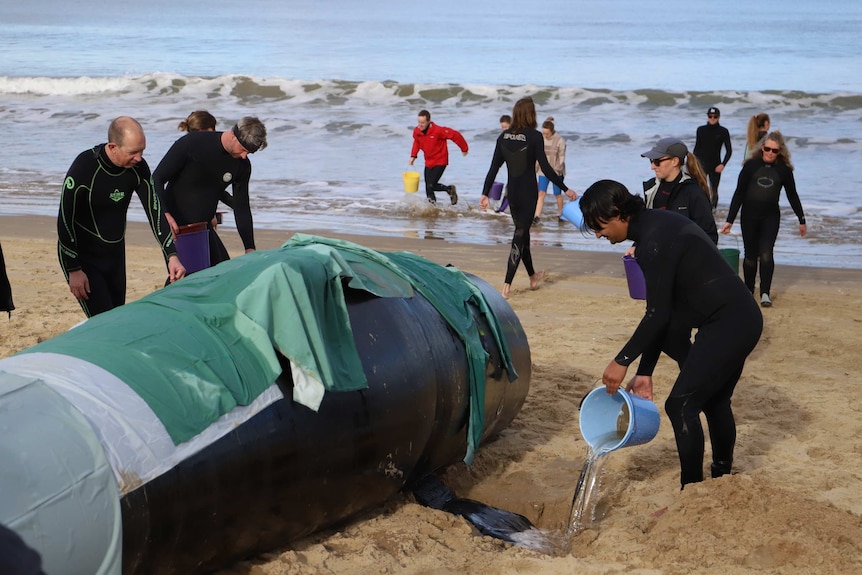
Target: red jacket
(433, 143)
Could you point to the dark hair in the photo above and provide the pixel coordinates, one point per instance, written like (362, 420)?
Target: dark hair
(549, 124)
(605, 200)
(198, 121)
(524, 115)
(506, 118)
(425, 113)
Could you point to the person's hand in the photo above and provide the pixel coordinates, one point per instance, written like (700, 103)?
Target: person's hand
(214, 223)
(484, 202)
(803, 229)
(640, 385)
(249, 250)
(411, 161)
(463, 153)
(176, 271)
(630, 251)
(719, 168)
(613, 376)
(175, 229)
(572, 194)
(79, 284)
(725, 228)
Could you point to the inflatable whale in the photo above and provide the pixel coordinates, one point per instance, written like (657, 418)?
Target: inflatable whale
(251, 404)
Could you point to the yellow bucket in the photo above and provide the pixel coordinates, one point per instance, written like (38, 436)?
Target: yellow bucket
(411, 182)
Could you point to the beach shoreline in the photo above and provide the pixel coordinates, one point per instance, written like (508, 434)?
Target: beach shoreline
(791, 507)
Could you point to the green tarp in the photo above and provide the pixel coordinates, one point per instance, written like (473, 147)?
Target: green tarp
(198, 348)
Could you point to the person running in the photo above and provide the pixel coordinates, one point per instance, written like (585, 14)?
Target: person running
(432, 140)
(688, 285)
(679, 184)
(758, 127)
(757, 192)
(520, 147)
(707, 148)
(555, 151)
(91, 225)
(194, 174)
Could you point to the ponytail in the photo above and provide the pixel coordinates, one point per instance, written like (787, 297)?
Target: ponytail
(695, 170)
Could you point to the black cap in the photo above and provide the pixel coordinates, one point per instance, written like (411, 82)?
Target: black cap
(713, 112)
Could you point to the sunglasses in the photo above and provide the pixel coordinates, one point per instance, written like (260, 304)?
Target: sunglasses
(711, 116)
(658, 161)
(773, 150)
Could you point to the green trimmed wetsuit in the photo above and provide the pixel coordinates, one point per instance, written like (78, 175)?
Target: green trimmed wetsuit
(91, 225)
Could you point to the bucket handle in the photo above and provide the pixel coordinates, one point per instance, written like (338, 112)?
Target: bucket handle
(733, 235)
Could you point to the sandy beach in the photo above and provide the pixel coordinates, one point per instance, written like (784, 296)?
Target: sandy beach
(793, 506)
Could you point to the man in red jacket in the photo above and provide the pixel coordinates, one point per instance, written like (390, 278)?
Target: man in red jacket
(431, 139)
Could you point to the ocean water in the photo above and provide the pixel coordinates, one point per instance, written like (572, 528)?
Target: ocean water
(339, 84)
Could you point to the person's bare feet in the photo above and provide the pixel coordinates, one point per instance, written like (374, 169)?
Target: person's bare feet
(536, 279)
(505, 291)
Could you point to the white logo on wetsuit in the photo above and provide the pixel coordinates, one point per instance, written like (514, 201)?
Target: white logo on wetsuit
(227, 177)
(519, 137)
(765, 182)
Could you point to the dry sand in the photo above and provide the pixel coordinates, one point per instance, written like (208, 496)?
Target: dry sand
(793, 507)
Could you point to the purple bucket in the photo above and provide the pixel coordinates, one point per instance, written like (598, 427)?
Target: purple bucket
(193, 247)
(496, 191)
(635, 278)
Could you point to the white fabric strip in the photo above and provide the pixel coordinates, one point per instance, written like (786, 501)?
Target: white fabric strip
(136, 443)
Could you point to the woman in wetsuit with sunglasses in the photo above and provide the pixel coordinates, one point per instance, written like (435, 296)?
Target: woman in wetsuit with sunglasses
(757, 193)
(520, 147)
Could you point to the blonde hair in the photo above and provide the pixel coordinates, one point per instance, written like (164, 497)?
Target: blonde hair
(756, 125)
(695, 170)
(778, 138)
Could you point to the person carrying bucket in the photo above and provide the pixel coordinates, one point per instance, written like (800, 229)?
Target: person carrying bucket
(688, 285)
(432, 140)
(757, 192)
(194, 174)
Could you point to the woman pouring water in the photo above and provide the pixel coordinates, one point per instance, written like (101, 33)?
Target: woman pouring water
(688, 285)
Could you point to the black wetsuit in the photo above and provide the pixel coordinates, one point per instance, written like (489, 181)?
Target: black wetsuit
(707, 150)
(757, 193)
(683, 196)
(5, 288)
(520, 152)
(193, 177)
(689, 285)
(91, 226)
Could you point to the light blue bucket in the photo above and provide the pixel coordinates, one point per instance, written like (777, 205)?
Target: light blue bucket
(572, 212)
(609, 422)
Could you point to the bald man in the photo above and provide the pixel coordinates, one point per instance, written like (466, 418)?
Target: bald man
(91, 225)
